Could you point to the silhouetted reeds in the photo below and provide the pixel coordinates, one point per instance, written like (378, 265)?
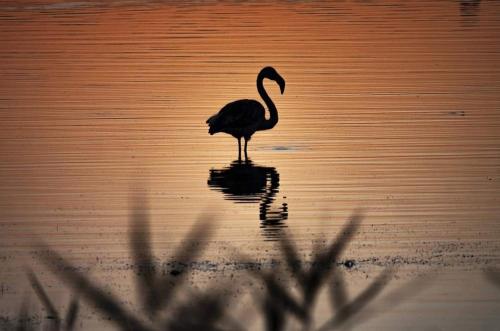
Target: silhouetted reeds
(280, 303)
(169, 303)
(56, 323)
(345, 309)
(156, 290)
(23, 318)
(52, 320)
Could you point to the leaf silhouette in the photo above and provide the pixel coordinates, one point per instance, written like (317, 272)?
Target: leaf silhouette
(348, 310)
(71, 314)
(279, 301)
(52, 313)
(292, 258)
(139, 237)
(274, 314)
(103, 301)
(338, 292)
(22, 317)
(358, 312)
(191, 247)
(281, 297)
(325, 259)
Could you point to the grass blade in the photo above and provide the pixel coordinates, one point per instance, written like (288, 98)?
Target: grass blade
(292, 258)
(192, 246)
(52, 314)
(392, 299)
(323, 261)
(361, 301)
(72, 314)
(103, 301)
(280, 298)
(139, 237)
(22, 317)
(274, 314)
(338, 290)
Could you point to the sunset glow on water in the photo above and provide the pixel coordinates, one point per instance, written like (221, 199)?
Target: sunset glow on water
(393, 107)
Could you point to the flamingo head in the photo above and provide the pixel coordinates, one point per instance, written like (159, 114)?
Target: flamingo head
(271, 73)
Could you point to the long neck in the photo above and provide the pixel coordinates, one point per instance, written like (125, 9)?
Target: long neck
(273, 119)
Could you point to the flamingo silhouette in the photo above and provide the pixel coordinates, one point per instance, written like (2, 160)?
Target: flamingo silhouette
(242, 118)
(245, 182)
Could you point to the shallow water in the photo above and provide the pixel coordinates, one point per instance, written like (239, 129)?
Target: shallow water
(389, 106)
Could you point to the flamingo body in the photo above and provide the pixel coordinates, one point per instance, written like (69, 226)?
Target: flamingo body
(239, 118)
(242, 118)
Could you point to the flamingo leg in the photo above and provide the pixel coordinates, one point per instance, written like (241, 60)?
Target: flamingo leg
(246, 143)
(239, 149)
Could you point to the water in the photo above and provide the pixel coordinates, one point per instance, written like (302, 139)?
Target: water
(389, 106)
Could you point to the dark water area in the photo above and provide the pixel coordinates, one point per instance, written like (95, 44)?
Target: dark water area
(389, 106)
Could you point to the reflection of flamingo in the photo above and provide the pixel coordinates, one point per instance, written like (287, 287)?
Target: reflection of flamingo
(244, 182)
(242, 118)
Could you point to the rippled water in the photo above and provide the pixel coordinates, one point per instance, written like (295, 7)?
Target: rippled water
(389, 106)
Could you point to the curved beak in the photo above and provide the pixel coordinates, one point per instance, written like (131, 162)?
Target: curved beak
(281, 83)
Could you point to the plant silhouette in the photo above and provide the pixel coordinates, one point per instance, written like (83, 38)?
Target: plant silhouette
(52, 320)
(53, 317)
(279, 302)
(156, 290)
(170, 304)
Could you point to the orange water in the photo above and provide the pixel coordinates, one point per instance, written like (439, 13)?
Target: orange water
(389, 106)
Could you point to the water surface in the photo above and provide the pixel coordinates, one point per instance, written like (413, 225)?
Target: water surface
(389, 106)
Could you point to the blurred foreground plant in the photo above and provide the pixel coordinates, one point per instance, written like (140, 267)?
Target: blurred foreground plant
(198, 311)
(279, 303)
(159, 291)
(52, 320)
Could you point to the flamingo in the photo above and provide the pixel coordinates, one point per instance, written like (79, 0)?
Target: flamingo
(241, 118)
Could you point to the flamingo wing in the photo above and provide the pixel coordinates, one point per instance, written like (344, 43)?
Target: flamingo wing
(239, 118)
